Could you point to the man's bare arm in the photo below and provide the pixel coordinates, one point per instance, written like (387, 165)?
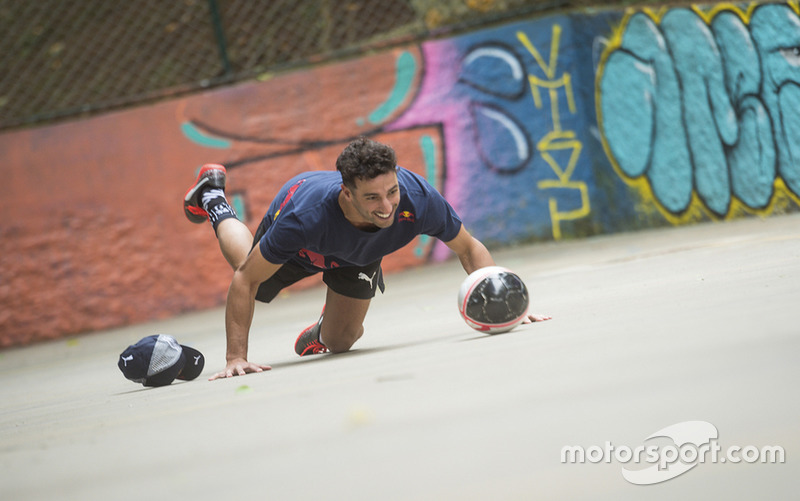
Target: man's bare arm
(239, 314)
(470, 251)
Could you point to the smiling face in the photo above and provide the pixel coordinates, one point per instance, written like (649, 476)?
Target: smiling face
(372, 203)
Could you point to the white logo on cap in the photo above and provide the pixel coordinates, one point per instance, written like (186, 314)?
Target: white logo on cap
(127, 359)
(197, 359)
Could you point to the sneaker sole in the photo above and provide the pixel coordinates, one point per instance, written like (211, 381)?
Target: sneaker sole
(212, 175)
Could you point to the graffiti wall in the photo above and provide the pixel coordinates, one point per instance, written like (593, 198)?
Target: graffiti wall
(699, 108)
(543, 129)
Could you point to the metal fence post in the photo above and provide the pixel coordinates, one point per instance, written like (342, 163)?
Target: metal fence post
(219, 33)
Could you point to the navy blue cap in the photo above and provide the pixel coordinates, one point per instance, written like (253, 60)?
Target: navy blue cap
(158, 360)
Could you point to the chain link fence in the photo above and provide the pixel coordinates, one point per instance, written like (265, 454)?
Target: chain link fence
(65, 58)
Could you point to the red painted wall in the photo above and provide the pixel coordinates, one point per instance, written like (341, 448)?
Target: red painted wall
(93, 233)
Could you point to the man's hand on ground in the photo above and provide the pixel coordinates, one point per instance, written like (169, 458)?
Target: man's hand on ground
(239, 367)
(534, 317)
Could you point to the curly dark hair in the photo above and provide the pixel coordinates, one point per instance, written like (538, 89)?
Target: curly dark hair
(365, 159)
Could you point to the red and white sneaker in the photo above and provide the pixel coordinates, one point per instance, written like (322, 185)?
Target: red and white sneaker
(308, 342)
(210, 176)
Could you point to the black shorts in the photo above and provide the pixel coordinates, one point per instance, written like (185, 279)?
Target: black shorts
(359, 282)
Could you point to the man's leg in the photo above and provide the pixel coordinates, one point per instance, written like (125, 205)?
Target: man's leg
(343, 322)
(235, 241)
(205, 201)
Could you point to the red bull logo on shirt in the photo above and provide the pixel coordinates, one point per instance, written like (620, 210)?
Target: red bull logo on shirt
(405, 216)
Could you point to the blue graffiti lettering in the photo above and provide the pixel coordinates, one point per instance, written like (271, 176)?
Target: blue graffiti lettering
(706, 106)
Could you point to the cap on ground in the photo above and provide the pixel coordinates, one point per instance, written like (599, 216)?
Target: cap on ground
(158, 360)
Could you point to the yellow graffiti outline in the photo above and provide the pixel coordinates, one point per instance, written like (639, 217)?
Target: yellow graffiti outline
(560, 140)
(557, 139)
(555, 39)
(696, 210)
(552, 87)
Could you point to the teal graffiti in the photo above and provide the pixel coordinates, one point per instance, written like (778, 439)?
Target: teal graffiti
(405, 69)
(428, 148)
(237, 201)
(429, 155)
(196, 136)
(706, 107)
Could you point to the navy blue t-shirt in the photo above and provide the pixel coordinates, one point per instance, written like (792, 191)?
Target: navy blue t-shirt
(306, 226)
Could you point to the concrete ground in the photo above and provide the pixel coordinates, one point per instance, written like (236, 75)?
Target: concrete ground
(650, 329)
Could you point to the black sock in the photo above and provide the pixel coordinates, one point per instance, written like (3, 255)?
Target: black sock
(217, 206)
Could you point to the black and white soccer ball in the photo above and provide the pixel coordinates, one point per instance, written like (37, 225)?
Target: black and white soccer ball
(493, 300)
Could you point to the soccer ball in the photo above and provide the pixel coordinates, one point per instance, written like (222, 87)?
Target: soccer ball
(493, 300)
